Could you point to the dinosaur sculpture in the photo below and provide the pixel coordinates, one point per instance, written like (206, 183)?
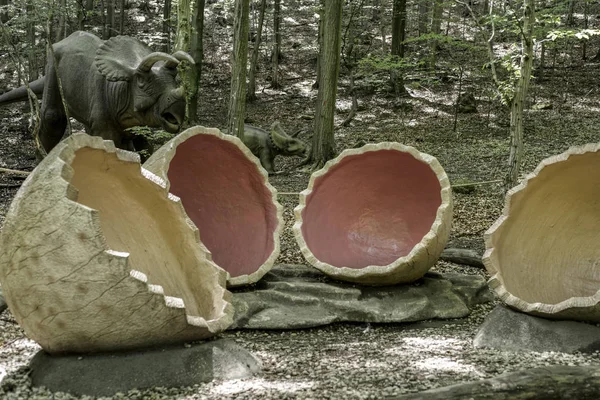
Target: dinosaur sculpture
(267, 145)
(108, 86)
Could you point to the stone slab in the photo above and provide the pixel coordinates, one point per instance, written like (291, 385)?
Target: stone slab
(297, 296)
(509, 330)
(558, 382)
(105, 374)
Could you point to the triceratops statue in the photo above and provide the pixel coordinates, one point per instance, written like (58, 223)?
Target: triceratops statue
(267, 145)
(108, 86)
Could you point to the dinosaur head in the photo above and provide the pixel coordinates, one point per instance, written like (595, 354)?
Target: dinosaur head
(157, 93)
(285, 144)
(152, 96)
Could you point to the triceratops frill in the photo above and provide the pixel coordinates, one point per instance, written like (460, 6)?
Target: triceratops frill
(108, 86)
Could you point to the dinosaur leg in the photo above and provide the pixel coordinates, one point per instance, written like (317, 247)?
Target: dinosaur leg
(53, 118)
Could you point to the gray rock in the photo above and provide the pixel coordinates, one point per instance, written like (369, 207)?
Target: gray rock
(550, 383)
(505, 329)
(297, 296)
(3, 305)
(105, 374)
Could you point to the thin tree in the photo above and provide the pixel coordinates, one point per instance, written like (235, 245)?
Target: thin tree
(424, 10)
(61, 31)
(520, 94)
(197, 54)
(398, 35)
(436, 29)
(167, 26)
(110, 18)
(122, 18)
(255, 52)
(323, 146)
(31, 56)
(239, 62)
(276, 44)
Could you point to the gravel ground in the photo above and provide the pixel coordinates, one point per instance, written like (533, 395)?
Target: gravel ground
(344, 361)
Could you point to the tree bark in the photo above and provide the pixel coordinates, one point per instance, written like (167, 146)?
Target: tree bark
(436, 28)
(80, 14)
(31, 58)
(323, 148)
(110, 18)
(255, 52)
(198, 56)
(517, 103)
(462, 256)
(183, 42)
(122, 18)
(398, 34)
(319, 41)
(61, 30)
(275, 84)
(239, 62)
(424, 10)
(167, 26)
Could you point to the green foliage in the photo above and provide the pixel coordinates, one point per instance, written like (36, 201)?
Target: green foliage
(579, 34)
(154, 137)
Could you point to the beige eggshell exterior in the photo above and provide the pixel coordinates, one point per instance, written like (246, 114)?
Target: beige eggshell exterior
(71, 292)
(542, 253)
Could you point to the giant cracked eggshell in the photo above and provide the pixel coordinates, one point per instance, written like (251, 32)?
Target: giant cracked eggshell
(96, 255)
(377, 215)
(227, 194)
(543, 253)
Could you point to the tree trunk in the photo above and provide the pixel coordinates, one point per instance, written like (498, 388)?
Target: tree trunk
(31, 58)
(198, 55)
(436, 28)
(255, 52)
(122, 18)
(517, 103)
(167, 26)
(184, 29)
(239, 62)
(110, 18)
(424, 9)
(89, 5)
(61, 30)
(80, 14)
(585, 26)
(398, 34)
(319, 41)
(570, 12)
(377, 19)
(276, 44)
(183, 42)
(323, 148)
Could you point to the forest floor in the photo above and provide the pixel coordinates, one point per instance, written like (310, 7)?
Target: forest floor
(354, 360)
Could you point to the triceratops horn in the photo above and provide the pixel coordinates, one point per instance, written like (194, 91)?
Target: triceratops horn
(183, 56)
(278, 135)
(180, 56)
(152, 58)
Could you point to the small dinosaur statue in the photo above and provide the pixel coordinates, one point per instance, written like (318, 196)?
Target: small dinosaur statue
(267, 145)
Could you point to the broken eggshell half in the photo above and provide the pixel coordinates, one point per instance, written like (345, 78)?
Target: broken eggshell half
(377, 215)
(542, 253)
(96, 255)
(227, 194)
